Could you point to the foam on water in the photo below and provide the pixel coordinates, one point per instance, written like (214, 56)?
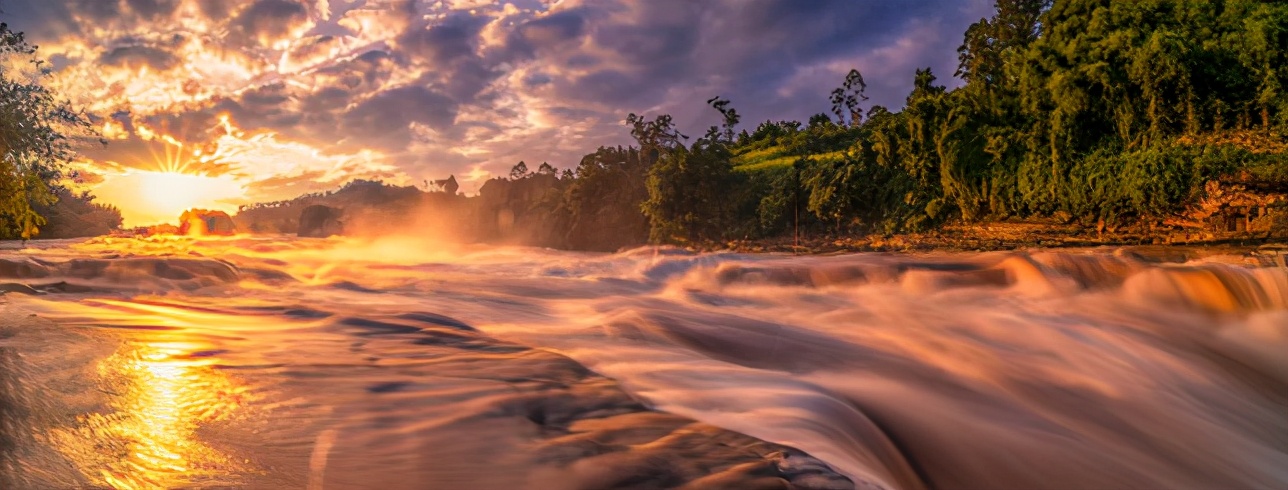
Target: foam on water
(1079, 369)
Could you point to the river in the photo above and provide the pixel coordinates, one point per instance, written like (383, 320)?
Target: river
(274, 362)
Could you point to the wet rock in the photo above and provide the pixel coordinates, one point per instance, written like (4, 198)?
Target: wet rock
(12, 287)
(200, 222)
(585, 431)
(18, 268)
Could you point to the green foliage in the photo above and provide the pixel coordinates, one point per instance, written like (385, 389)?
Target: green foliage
(601, 202)
(36, 137)
(1108, 185)
(694, 194)
(20, 190)
(1105, 111)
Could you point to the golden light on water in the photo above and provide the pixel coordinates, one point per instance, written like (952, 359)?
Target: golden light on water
(160, 396)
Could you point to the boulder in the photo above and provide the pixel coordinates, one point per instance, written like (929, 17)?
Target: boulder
(318, 221)
(199, 222)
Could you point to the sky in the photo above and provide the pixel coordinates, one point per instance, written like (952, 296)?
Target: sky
(219, 103)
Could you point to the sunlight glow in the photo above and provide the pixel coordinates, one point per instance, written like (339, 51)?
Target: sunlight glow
(170, 191)
(220, 173)
(160, 197)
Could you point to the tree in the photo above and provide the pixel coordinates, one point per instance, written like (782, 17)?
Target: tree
(546, 169)
(519, 171)
(1014, 25)
(603, 198)
(846, 98)
(730, 116)
(37, 132)
(694, 193)
(1264, 36)
(655, 137)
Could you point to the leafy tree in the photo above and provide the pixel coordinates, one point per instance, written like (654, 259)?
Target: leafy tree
(603, 202)
(819, 120)
(694, 193)
(655, 137)
(1262, 51)
(989, 43)
(546, 169)
(37, 132)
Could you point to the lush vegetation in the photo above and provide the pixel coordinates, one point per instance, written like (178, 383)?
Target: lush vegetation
(37, 131)
(1096, 111)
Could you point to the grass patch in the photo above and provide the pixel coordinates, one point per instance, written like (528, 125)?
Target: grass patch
(777, 160)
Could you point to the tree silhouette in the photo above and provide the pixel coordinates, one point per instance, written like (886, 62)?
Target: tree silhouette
(656, 136)
(519, 171)
(730, 115)
(846, 98)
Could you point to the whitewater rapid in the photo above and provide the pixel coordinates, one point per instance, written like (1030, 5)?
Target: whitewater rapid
(273, 362)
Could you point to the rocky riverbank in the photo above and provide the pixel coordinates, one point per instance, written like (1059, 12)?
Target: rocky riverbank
(1020, 235)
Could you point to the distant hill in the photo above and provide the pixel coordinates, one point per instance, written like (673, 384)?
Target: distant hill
(283, 216)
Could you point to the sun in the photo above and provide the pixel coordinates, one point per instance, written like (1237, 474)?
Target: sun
(166, 191)
(147, 197)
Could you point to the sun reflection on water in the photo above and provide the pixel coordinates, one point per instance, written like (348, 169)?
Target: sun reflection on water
(161, 395)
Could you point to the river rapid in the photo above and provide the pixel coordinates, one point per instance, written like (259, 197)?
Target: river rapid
(275, 362)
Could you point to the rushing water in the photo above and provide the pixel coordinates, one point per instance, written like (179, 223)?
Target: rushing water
(284, 363)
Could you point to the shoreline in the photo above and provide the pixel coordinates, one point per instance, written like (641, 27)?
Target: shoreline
(957, 238)
(1007, 236)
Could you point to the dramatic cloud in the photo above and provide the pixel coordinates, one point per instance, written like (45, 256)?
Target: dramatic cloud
(286, 96)
(271, 21)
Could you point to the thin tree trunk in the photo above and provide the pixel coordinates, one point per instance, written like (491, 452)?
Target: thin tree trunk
(796, 225)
